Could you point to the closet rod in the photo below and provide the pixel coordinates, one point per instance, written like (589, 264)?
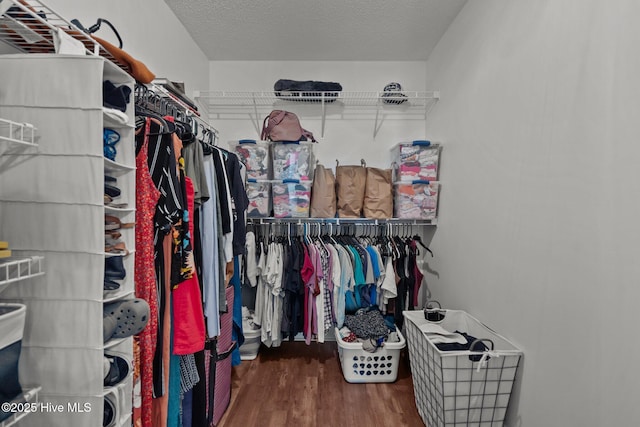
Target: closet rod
(172, 99)
(204, 124)
(158, 99)
(318, 229)
(187, 110)
(338, 221)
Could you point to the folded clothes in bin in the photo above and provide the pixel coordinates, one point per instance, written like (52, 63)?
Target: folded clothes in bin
(440, 335)
(454, 341)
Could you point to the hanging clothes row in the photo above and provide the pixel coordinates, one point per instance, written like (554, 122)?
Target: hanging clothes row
(307, 283)
(191, 207)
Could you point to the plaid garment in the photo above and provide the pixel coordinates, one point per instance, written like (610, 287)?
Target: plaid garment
(328, 313)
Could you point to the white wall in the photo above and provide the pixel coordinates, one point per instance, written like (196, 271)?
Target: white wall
(347, 138)
(150, 32)
(538, 232)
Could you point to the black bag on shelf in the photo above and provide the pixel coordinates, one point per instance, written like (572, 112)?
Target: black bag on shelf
(306, 91)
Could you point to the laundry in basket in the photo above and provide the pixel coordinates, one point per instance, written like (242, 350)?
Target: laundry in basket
(460, 387)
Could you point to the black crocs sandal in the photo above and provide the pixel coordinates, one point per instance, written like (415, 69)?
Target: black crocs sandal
(132, 316)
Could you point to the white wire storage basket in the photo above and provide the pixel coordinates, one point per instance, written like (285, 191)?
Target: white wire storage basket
(460, 388)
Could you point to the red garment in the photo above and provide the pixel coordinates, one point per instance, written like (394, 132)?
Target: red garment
(188, 317)
(306, 273)
(147, 196)
(307, 267)
(417, 274)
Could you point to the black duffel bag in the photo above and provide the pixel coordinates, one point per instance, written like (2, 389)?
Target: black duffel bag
(307, 91)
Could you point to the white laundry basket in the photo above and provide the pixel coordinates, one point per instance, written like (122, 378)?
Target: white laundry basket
(249, 349)
(450, 388)
(360, 366)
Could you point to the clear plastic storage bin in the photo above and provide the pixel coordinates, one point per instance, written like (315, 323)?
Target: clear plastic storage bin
(416, 199)
(259, 195)
(293, 160)
(291, 198)
(256, 156)
(417, 160)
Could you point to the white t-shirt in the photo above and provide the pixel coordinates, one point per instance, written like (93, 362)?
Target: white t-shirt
(389, 288)
(251, 261)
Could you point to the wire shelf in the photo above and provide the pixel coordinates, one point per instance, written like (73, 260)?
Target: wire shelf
(28, 396)
(18, 133)
(336, 226)
(221, 104)
(221, 98)
(338, 221)
(17, 269)
(30, 25)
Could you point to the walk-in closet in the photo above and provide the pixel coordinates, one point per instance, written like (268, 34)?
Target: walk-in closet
(366, 213)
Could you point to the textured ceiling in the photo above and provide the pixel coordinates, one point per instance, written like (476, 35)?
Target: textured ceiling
(324, 30)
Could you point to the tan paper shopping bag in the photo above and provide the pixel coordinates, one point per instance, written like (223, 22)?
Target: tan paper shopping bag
(350, 186)
(323, 193)
(378, 194)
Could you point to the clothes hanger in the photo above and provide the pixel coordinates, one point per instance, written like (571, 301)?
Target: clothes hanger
(331, 234)
(417, 238)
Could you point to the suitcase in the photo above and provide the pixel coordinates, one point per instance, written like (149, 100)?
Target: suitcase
(218, 356)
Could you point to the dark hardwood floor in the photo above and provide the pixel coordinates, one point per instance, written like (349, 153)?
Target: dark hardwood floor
(300, 385)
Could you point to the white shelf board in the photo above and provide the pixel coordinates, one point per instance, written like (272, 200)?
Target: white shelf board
(114, 342)
(115, 168)
(111, 209)
(114, 124)
(111, 255)
(117, 296)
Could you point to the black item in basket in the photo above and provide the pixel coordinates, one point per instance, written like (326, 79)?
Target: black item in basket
(307, 91)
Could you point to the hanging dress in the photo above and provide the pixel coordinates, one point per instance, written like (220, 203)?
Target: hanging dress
(147, 196)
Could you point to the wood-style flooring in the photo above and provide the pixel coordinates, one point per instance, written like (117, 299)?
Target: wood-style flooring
(299, 385)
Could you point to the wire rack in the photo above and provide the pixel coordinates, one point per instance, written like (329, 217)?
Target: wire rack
(27, 401)
(18, 133)
(29, 26)
(15, 269)
(221, 104)
(221, 98)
